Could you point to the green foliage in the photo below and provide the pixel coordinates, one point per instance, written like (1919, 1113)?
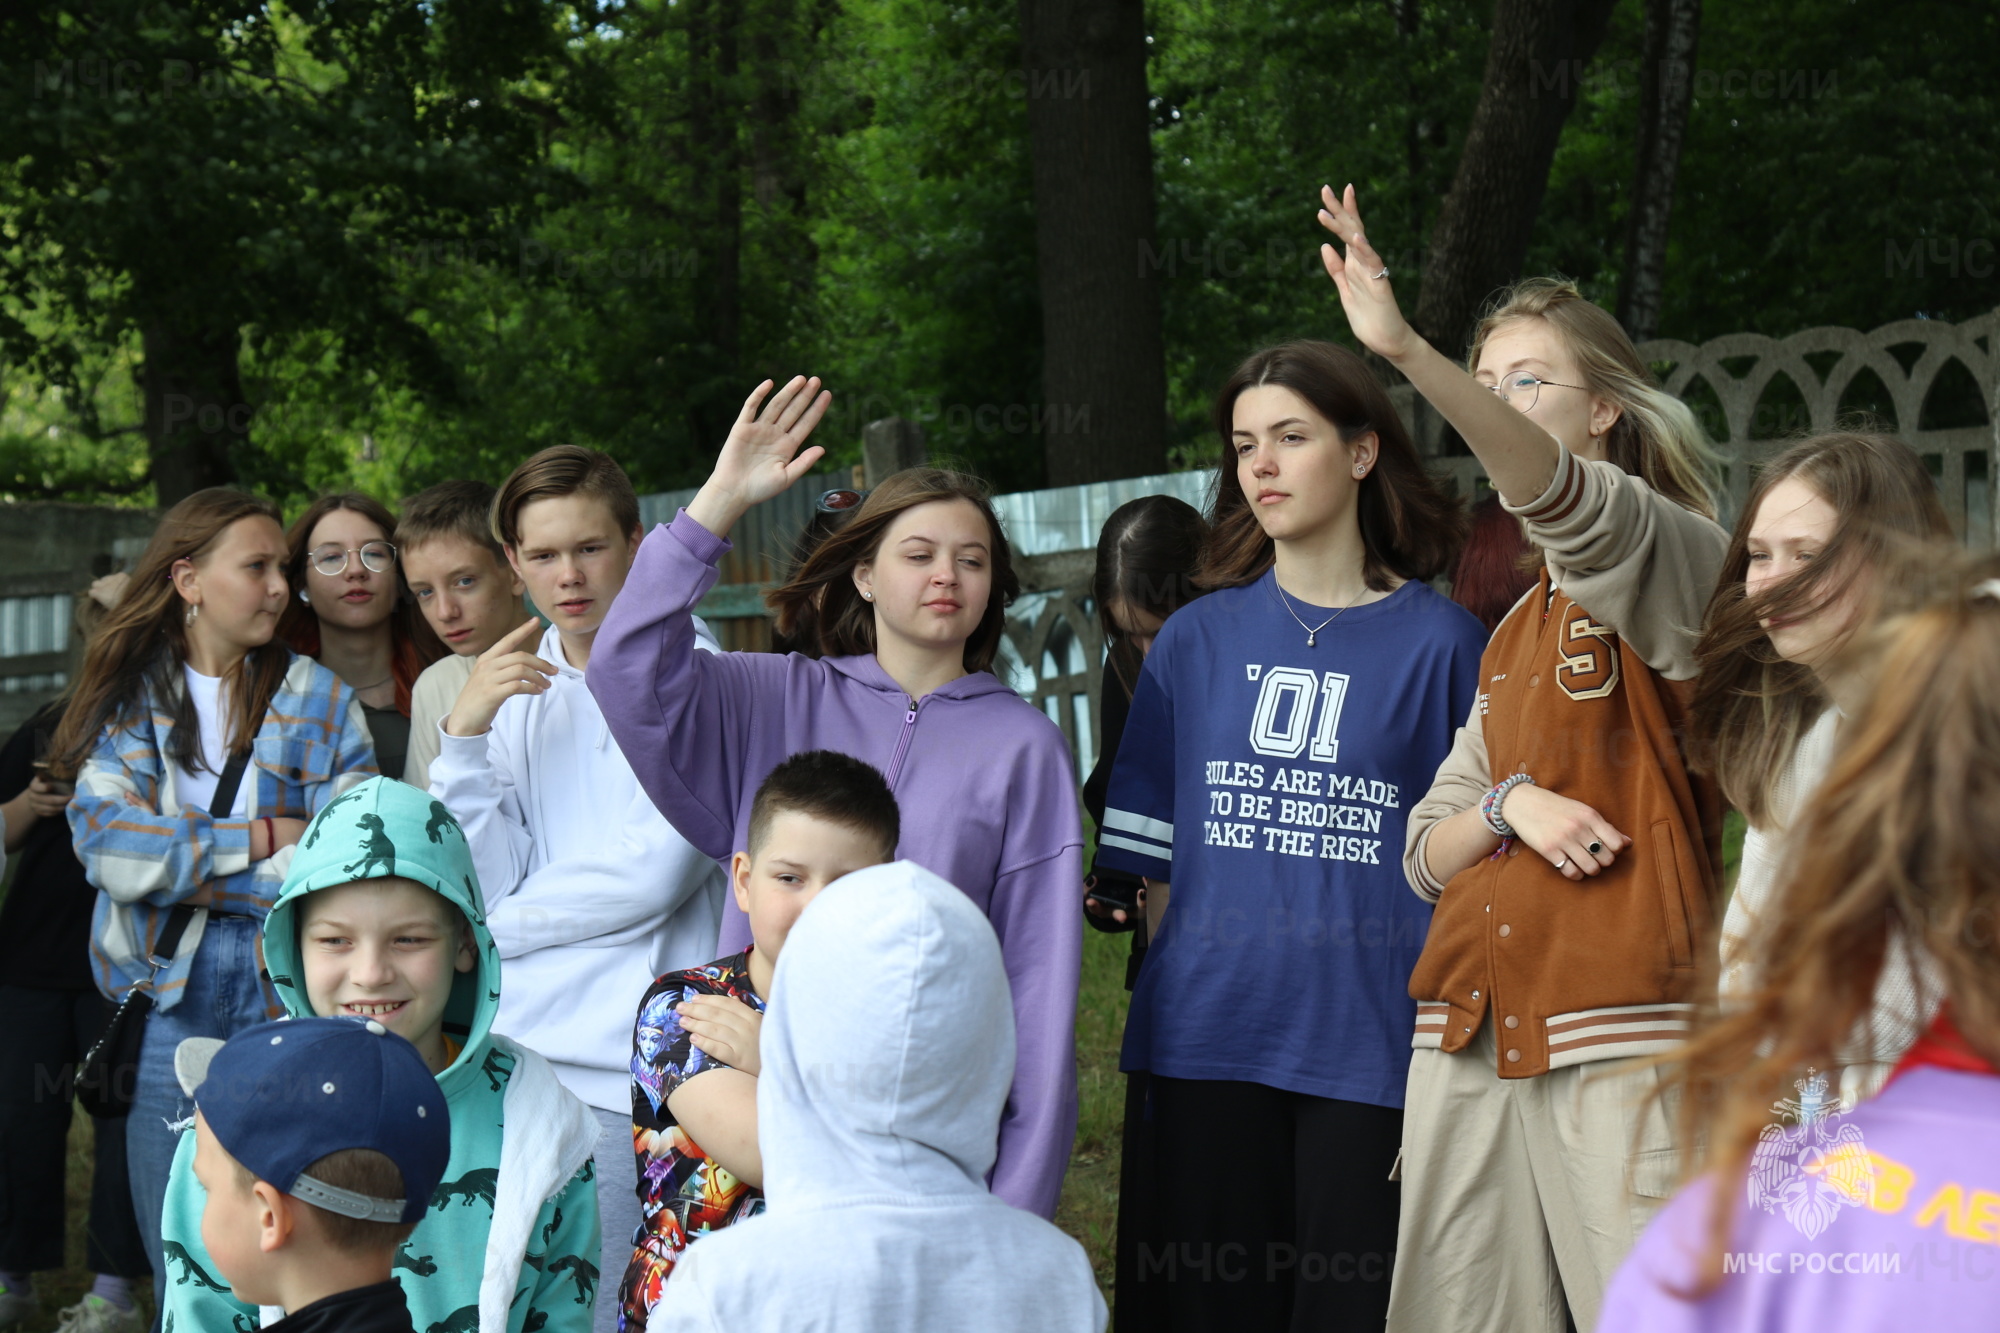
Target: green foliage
(454, 234)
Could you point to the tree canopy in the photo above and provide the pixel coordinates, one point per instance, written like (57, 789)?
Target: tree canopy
(380, 245)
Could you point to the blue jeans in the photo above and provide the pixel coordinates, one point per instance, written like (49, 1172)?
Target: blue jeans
(222, 997)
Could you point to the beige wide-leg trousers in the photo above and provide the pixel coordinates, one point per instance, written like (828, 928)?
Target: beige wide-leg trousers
(1522, 1196)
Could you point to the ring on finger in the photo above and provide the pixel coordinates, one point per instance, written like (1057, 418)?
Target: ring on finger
(1560, 864)
(1595, 847)
(1383, 274)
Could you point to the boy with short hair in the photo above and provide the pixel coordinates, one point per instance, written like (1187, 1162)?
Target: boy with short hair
(591, 893)
(317, 1146)
(817, 817)
(460, 577)
(381, 921)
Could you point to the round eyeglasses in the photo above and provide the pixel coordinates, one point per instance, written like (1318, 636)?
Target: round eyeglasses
(1522, 390)
(376, 558)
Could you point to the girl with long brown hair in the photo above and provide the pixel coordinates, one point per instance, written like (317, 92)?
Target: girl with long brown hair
(353, 613)
(908, 603)
(185, 693)
(1799, 578)
(1574, 861)
(1884, 1217)
(1279, 724)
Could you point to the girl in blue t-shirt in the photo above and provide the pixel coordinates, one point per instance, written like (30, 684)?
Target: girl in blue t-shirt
(1281, 728)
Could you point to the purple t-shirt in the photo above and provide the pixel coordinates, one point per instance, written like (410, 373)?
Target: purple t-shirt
(1887, 1217)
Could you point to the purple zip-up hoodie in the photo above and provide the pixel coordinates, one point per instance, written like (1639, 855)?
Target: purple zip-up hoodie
(985, 782)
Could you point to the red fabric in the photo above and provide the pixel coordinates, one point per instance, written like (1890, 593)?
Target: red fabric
(1943, 1046)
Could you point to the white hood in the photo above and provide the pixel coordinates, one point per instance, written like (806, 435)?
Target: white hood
(902, 1072)
(887, 1051)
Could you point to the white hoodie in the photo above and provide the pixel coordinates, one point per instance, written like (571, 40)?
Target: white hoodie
(887, 1051)
(590, 894)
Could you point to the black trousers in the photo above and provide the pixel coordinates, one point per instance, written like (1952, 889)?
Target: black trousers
(46, 1033)
(1273, 1211)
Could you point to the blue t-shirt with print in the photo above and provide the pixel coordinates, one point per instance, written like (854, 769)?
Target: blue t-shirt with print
(1270, 783)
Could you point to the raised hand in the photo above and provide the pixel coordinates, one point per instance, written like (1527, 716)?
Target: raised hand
(502, 671)
(765, 453)
(1362, 280)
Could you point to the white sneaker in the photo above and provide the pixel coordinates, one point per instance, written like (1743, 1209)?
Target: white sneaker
(17, 1306)
(94, 1314)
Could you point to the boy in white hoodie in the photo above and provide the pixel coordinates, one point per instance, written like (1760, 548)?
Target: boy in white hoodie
(590, 893)
(876, 1137)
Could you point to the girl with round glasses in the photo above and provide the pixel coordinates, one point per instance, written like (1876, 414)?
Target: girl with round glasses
(1574, 861)
(351, 611)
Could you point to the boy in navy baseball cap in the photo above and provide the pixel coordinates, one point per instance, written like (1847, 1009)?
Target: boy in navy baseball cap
(319, 1142)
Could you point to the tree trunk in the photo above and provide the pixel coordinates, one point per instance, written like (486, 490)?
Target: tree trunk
(195, 412)
(1666, 89)
(1534, 71)
(1104, 384)
(717, 161)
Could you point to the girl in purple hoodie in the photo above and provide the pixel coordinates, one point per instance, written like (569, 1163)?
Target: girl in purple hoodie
(906, 604)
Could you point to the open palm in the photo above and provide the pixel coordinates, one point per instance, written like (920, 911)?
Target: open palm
(766, 450)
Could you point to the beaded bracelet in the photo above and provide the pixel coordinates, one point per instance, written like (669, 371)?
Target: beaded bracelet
(1489, 805)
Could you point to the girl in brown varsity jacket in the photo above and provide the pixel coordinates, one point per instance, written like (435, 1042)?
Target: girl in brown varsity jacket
(1574, 861)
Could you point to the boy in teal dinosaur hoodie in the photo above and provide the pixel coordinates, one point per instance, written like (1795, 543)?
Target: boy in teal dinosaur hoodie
(381, 918)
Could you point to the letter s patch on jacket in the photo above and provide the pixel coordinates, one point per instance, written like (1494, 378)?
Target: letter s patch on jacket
(1590, 669)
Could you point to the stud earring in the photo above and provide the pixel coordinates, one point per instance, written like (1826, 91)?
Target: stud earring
(867, 596)
(304, 598)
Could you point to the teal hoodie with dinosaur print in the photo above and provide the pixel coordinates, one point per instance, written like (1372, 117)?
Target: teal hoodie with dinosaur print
(510, 1244)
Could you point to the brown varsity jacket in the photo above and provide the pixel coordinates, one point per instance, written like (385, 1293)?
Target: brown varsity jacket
(1584, 686)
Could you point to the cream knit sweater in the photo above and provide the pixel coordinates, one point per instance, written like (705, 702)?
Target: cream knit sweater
(1902, 1007)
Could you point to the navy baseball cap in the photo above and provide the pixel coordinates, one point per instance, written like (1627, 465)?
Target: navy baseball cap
(280, 1096)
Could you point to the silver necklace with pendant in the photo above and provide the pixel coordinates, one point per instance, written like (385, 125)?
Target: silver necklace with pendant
(1312, 631)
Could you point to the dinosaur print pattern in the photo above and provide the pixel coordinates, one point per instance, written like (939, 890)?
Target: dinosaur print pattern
(319, 825)
(176, 1253)
(381, 850)
(440, 820)
(481, 1183)
(422, 1265)
(580, 1268)
(498, 1067)
(465, 1319)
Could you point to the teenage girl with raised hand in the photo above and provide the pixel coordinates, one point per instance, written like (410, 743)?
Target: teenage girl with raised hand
(908, 601)
(1574, 862)
(352, 612)
(1800, 576)
(1282, 727)
(1147, 554)
(1883, 1218)
(184, 682)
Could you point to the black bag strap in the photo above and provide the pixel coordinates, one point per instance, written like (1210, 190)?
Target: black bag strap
(162, 954)
(226, 784)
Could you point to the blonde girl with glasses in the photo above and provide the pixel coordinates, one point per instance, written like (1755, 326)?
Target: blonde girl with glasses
(1574, 861)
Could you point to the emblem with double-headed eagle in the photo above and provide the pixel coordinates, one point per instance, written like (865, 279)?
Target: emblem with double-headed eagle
(1811, 1167)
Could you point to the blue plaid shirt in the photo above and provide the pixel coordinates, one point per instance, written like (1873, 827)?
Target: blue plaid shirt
(145, 853)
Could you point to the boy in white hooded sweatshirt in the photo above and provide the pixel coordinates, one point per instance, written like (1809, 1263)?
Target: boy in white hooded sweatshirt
(590, 893)
(877, 1135)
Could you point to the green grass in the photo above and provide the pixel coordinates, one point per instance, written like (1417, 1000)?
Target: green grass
(1089, 1207)
(66, 1286)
